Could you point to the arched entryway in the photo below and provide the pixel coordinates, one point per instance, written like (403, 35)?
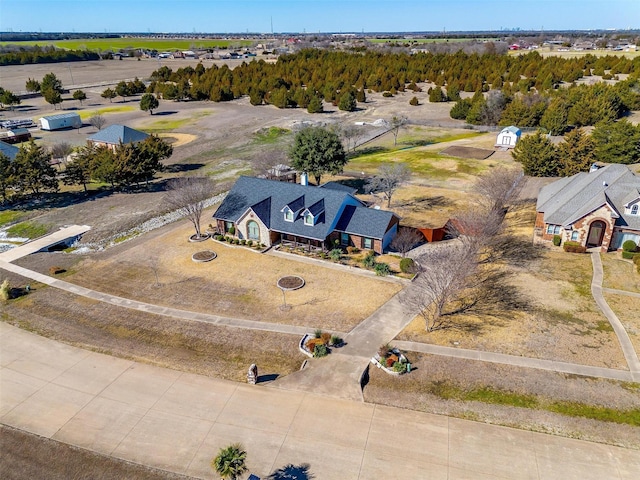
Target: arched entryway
(596, 233)
(253, 230)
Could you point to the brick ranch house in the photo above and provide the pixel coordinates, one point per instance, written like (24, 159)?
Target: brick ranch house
(269, 212)
(597, 209)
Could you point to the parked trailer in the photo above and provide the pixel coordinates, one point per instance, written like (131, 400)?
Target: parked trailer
(60, 121)
(17, 135)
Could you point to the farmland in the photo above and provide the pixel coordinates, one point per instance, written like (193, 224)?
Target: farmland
(101, 44)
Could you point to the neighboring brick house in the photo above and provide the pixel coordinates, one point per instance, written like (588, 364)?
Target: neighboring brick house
(114, 135)
(597, 209)
(269, 211)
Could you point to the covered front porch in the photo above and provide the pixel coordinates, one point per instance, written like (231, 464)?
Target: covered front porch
(302, 243)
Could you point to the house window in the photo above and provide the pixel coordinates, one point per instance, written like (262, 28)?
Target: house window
(228, 226)
(288, 215)
(367, 243)
(253, 231)
(344, 239)
(574, 235)
(550, 229)
(308, 219)
(634, 209)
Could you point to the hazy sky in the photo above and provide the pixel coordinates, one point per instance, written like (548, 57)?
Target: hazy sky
(225, 16)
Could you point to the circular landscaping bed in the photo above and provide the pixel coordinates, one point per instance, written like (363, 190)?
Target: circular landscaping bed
(203, 256)
(290, 282)
(199, 238)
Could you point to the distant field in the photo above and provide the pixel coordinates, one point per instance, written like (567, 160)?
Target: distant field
(546, 52)
(429, 40)
(149, 43)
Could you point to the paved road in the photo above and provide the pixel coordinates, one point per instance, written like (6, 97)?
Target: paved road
(623, 338)
(178, 421)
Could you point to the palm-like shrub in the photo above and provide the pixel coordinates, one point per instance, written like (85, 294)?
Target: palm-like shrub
(230, 462)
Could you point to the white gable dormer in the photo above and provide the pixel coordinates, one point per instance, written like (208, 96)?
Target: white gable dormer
(308, 217)
(632, 207)
(289, 215)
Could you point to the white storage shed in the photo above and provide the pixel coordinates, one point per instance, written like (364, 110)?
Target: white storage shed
(508, 137)
(60, 121)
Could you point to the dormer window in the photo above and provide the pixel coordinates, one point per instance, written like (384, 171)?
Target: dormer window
(288, 216)
(308, 219)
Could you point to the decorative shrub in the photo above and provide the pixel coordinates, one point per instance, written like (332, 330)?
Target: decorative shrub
(250, 243)
(352, 250)
(369, 260)
(629, 246)
(323, 255)
(400, 367)
(56, 270)
(228, 239)
(383, 350)
(5, 290)
(389, 362)
(243, 242)
(335, 254)
(325, 337)
(557, 240)
(387, 94)
(320, 350)
(382, 269)
(232, 230)
(236, 241)
(629, 255)
(407, 265)
(414, 102)
(335, 340)
(317, 333)
(636, 260)
(574, 247)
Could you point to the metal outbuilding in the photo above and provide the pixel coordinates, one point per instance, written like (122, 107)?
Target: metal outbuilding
(60, 121)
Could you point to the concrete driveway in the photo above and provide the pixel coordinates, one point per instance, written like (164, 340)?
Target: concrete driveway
(178, 421)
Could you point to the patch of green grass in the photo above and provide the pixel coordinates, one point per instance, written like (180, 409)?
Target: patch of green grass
(10, 216)
(603, 326)
(166, 125)
(87, 114)
(115, 44)
(494, 396)
(555, 317)
(270, 135)
(28, 230)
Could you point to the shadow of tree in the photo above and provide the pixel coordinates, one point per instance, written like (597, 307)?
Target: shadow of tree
(183, 167)
(292, 472)
(426, 203)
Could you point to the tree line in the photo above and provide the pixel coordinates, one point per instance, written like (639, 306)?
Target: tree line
(31, 172)
(48, 54)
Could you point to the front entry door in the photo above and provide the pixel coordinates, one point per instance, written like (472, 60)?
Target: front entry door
(596, 232)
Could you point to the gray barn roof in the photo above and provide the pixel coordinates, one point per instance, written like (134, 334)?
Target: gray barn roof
(268, 198)
(569, 199)
(116, 134)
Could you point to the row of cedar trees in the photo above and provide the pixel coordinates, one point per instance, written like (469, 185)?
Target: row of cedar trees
(45, 55)
(31, 173)
(527, 84)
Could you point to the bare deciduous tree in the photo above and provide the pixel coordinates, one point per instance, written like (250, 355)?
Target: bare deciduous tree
(406, 239)
(187, 195)
(499, 188)
(389, 178)
(351, 134)
(97, 121)
(397, 122)
(61, 151)
(445, 274)
(266, 160)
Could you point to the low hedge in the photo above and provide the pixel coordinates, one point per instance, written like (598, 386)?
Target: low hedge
(629, 246)
(407, 265)
(574, 247)
(557, 240)
(630, 255)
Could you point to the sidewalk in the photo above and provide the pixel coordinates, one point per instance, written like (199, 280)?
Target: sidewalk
(178, 421)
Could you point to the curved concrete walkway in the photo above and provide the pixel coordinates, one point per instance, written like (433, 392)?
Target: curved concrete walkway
(629, 352)
(178, 421)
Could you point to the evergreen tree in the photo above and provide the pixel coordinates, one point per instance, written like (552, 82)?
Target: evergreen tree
(32, 85)
(554, 119)
(78, 172)
(347, 102)
(317, 151)
(149, 103)
(33, 170)
(538, 156)
(617, 142)
(7, 179)
(576, 153)
(80, 96)
(315, 105)
(108, 93)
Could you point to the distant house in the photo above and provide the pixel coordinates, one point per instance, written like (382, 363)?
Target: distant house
(508, 137)
(9, 150)
(61, 121)
(270, 212)
(114, 135)
(15, 135)
(597, 209)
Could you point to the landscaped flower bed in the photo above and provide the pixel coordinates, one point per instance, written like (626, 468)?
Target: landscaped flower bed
(239, 241)
(319, 344)
(203, 256)
(391, 360)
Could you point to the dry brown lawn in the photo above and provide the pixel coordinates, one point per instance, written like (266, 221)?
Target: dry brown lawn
(563, 323)
(620, 274)
(627, 309)
(239, 283)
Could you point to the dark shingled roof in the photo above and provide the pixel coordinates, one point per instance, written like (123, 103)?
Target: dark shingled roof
(332, 209)
(116, 134)
(9, 150)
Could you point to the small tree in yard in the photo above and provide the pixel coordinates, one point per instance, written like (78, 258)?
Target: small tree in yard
(397, 122)
(388, 179)
(79, 95)
(187, 195)
(149, 103)
(499, 187)
(406, 239)
(97, 121)
(230, 462)
(61, 150)
(109, 93)
(317, 151)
